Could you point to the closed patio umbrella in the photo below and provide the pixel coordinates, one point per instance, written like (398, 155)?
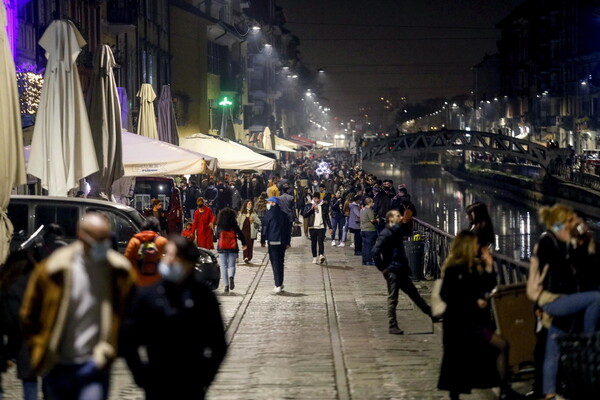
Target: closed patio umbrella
(146, 120)
(62, 149)
(12, 166)
(267, 141)
(167, 125)
(105, 121)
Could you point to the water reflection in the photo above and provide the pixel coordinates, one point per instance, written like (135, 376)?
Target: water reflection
(441, 200)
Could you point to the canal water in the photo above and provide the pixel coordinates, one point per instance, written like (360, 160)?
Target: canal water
(441, 200)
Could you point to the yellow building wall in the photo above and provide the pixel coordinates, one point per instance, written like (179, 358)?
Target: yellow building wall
(189, 71)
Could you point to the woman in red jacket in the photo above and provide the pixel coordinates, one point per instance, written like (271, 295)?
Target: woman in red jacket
(203, 225)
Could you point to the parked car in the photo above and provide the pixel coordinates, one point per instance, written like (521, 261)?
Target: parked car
(28, 213)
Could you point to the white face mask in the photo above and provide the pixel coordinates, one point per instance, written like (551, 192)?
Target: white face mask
(174, 273)
(268, 206)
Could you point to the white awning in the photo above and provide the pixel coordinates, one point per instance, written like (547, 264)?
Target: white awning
(324, 144)
(230, 155)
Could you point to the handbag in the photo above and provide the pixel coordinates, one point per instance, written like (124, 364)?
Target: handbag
(296, 231)
(438, 306)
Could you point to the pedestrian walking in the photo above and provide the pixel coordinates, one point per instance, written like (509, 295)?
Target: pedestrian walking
(275, 233)
(390, 259)
(368, 231)
(203, 224)
(317, 215)
(179, 324)
(72, 312)
(286, 203)
(192, 192)
(13, 280)
(250, 224)
(474, 355)
(337, 218)
(145, 250)
(228, 234)
(261, 206)
(306, 199)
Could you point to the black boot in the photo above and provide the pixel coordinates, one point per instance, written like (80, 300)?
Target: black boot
(507, 393)
(394, 330)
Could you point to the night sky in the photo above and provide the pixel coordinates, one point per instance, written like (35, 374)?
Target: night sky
(425, 48)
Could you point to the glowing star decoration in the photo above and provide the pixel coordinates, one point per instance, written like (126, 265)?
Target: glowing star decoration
(323, 169)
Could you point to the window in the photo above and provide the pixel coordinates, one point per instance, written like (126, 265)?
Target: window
(124, 230)
(65, 216)
(19, 216)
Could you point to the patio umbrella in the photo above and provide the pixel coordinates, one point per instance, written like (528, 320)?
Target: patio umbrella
(167, 125)
(267, 141)
(146, 120)
(105, 120)
(12, 166)
(62, 148)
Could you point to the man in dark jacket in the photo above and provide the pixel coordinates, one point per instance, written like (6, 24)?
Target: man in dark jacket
(390, 259)
(275, 231)
(286, 203)
(191, 194)
(179, 323)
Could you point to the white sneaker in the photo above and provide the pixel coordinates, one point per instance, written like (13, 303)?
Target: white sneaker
(277, 289)
(352, 245)
(314, 260)
(341, 244)
(333, 243)
(282, 287)
(321, 259)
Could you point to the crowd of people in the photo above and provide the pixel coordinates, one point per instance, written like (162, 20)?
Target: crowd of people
(84, 303)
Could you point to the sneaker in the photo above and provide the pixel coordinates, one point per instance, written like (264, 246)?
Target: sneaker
(321, 259)
(352, 245)
(314, 260)
(246, 260)
(333, 243)
(341, 244)
(226, 290)
(277, 289)
(394, 330)
(231, 283)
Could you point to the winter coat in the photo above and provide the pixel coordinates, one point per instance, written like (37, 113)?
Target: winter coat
(132, 252)
(182, 330)
(191, 194)
(47, 300)
(204, 235)
(468, 360)
(388, 252)
(336, 207)
(286, 204)
(276, 228)
(254, 225)
(309, 214)
(354, 219)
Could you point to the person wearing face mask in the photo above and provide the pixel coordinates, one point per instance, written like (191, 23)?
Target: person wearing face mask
(179, 323)
(250, 223)
(275, 231)
(390, 259)
(72, 311)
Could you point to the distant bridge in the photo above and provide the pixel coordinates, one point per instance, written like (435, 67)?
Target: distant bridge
(440, 141)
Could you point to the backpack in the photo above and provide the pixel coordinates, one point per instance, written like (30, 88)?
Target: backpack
(148, 257)
(227, 240)
(535, 279)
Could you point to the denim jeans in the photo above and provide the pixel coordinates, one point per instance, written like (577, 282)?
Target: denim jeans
(368, 241)
(337, 224)
(77, 382)
(30, 389)
(345, 234)
(564, 306)
(277, 256)
(227, 261)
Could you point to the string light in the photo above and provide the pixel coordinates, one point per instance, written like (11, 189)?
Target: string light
(30, 90)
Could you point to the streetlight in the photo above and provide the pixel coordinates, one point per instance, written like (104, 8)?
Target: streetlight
(224, 103)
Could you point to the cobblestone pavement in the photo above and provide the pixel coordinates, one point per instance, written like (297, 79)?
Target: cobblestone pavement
(324, 337)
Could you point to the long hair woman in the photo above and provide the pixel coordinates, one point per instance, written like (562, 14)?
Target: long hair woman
(474, 355)
(228, 233)
(481, 223)
(249, 223)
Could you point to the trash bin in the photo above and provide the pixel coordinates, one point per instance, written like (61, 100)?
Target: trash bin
(415, 251)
